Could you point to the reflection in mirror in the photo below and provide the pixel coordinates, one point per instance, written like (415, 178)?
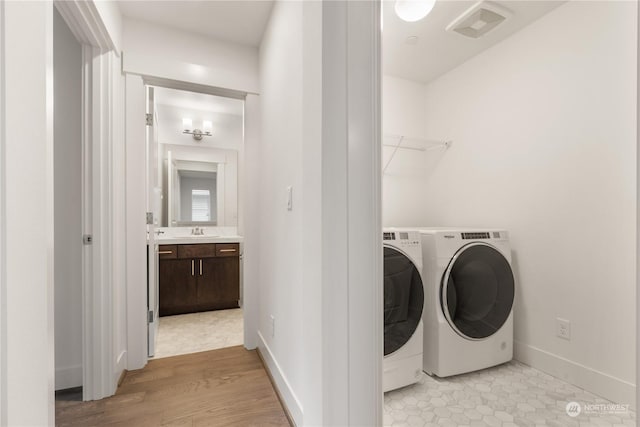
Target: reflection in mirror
(197, 178)
(199, 192)
(197, 189)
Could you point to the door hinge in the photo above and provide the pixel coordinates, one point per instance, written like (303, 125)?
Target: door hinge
(150, 316)
(149, 218)
(149, 119)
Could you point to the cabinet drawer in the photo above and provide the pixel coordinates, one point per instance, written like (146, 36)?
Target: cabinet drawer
(203, 250)
(227, 249)
(168, 251)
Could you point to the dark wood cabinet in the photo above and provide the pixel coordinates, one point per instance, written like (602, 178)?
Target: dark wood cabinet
(215, 291)
(178, 287)
(200, 277)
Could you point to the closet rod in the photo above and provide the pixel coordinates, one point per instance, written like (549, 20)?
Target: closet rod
(404, 148)
(409, 138)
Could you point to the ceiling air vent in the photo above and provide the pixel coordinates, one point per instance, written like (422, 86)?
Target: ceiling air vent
(478, 20)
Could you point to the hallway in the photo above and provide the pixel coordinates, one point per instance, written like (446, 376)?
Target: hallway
(215, 388)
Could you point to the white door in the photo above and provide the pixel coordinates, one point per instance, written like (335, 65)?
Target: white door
(152, 197)
(170, 190)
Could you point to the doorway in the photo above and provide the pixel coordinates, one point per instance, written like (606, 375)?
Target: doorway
(68, 256)
(194, 287)
(457, 128)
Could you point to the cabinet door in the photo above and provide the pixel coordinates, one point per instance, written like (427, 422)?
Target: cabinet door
(219, 283)
(178, 291)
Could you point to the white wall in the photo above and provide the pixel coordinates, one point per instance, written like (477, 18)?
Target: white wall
(159, 51)
(280, 251)
(26, 277)
(67, 73)
(403, 109)
(111, 17)
(227, 128)
(320, 269)
(544, 144)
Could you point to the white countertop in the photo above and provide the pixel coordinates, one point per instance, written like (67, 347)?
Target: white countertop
(187, 240)
(183, 236)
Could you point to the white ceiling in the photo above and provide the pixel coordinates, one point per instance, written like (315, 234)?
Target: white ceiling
(238, 21)
(438, 51)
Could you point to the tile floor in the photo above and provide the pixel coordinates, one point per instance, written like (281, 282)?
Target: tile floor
(509, 395)
(191, 333)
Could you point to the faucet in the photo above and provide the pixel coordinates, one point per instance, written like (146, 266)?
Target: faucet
(197, 231)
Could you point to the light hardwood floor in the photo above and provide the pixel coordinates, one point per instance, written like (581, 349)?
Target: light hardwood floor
(222, 387)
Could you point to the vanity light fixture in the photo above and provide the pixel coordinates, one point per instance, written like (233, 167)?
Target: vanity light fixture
(187, 124)
(413, 10)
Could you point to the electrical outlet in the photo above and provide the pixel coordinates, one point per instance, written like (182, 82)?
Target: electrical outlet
(563, 329)
(273, 326)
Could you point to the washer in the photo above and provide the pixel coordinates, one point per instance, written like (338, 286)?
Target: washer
(403, 306)
(470, 288)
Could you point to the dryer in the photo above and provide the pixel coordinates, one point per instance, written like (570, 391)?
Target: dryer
(403, 307)
(468, 322)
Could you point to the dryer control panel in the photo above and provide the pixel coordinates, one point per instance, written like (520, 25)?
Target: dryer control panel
(403, 238)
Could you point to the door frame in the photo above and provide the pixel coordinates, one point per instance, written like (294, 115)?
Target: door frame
(137, 294)
(99, 126)
(352, 267)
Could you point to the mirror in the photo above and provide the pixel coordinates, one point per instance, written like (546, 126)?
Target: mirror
(197, 178)
(200, 188)
(194, 193)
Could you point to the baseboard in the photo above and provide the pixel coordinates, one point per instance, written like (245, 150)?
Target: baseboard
(120, 367)
(599, 383)
(121, 378)
(69, 377)
(288, 398)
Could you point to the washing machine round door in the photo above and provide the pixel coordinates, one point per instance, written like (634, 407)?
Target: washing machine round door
(477, 291)
(403, 299)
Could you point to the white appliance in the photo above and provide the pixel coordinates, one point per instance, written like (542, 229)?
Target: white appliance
(403, 306)
(470, 287)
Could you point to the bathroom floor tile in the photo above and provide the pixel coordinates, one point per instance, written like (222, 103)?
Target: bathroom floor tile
(507, 395)
(195, 332)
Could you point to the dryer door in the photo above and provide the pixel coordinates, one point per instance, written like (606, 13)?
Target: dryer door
(403, 299)
(477, 291)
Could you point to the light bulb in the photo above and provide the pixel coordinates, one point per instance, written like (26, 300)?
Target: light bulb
(207, 126)
(187, 124)
(413, 10)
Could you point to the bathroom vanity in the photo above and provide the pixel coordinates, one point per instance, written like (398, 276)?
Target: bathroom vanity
(197, 277)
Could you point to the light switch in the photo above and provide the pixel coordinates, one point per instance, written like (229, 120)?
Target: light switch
(289, 198)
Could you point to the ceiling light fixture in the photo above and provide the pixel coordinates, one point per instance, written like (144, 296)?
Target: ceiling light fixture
(413, 10)
(187, 124)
